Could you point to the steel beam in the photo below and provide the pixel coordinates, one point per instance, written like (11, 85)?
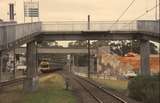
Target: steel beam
(145, 52)
(31, 82)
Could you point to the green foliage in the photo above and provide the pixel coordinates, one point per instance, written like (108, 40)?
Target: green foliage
(51, 91)
(124, 46)
(48, 44)
(78, 44)
(119, 85)
(120, 47)
(145, 88)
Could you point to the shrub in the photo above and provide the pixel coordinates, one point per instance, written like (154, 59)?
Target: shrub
(145, 88)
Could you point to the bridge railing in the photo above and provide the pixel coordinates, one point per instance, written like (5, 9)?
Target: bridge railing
(12, 32)
(83, 26)
(149, 26)
(140, 25)
(23, 30)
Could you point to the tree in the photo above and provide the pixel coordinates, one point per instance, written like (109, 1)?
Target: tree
(99, 43)
(78, 44)
(48, 44)
(123, 47)
(120, 47)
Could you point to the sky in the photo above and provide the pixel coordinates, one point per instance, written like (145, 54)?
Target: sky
(77, 10)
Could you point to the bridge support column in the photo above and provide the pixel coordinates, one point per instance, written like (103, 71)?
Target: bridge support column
(145, 52)
(73, 63)
(31, 82)
(0, 66)
(89, 59)
(95, 65)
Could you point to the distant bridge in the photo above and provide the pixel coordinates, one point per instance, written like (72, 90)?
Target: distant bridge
(51, 50)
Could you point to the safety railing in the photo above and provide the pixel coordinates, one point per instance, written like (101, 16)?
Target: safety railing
(83, 26)
(12, 32)
(140, 25)
(149, 26)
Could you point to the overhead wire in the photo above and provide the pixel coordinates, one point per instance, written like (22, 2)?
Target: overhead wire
(146, 12)
(123, 13)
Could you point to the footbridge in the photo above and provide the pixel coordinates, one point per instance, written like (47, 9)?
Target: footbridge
(12, 35)
(51, 50)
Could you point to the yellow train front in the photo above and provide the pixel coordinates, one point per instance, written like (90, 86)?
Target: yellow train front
(46, 67)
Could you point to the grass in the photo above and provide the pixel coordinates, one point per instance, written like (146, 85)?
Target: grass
(119, 85)
(51, 90)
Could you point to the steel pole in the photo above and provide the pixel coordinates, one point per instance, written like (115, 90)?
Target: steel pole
(159, 14)
(14, 64)
(1, 62)
(88, 58)
(88, 22)
(24, 11)
(31, 15)
(156, 11)
(88, 48)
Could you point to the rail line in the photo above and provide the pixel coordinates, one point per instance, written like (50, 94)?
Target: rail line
(12, 82)
(15, 82)
(98, 98)
(95, 97)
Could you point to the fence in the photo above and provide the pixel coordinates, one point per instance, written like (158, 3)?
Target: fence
(83, 26)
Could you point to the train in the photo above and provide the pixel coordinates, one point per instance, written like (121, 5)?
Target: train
(46, 67)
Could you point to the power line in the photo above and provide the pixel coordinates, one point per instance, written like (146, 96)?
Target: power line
(156, 10)
(123, 13)
(146, 12)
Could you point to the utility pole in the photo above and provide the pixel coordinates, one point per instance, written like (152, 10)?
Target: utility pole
(88, 48)
(1, 63)
(159, 11)
(32, 8)
(89, 22)
(14, 64)
(156, 10)
(159, 14)
(24, 11)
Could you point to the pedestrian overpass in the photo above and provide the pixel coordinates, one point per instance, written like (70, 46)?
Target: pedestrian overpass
(51, 50)
(13, 35)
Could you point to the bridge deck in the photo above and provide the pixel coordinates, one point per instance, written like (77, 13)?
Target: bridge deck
(18, 34)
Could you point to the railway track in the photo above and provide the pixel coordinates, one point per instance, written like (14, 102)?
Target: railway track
(12, 82)
(100, 94)
(17, 81)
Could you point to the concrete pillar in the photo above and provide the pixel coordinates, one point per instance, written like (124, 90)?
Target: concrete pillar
(31, 82)
(98, 65)
(0, 66)
(73, 63)
(145, 52)
(89, 54)
(95, 64)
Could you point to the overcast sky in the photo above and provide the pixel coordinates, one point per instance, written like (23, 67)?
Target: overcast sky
(58, 10)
